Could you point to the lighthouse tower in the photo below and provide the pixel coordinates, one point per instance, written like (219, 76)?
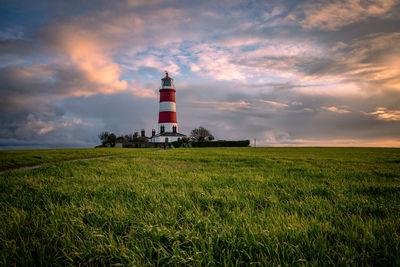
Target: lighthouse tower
(167, 116)
(167, 122)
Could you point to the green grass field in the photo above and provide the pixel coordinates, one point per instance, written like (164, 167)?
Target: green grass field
(205, 206)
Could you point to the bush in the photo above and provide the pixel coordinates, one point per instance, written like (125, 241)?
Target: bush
(241, 143)
(140, 139)
(177, 143)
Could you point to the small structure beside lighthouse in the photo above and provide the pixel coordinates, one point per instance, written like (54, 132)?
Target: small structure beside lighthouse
(167, 121)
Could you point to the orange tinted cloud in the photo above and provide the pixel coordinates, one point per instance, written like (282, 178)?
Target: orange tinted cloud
(385, 114)
(273, 103)
(231, 106)
(336, 110)
(92, 58)
(338, 142)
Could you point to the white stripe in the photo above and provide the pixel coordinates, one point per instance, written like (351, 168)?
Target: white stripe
(167, 87)
(167, 106)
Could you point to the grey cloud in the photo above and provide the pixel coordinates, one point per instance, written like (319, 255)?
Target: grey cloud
(39, 79)
(36, 79)
(17, 47)
(120, 113)
(282, 86)
(333, 15)
(304, 120)
(369, 60)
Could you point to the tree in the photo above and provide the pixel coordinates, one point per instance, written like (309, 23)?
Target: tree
(129, 137)
(107, 138)
(111, 139)
(201, 134)
(103, 136)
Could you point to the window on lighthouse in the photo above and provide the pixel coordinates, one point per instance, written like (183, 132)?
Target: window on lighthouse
(167, 82)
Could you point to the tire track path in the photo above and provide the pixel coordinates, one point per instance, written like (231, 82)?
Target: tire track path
(25, 168)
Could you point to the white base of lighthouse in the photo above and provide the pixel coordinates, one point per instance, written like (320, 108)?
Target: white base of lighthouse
(168, 127)
(166, 137)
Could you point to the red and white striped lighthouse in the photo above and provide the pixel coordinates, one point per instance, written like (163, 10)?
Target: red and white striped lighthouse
(167, 116)
(167, 122)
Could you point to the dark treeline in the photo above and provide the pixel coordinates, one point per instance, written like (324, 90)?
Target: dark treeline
(199, 137)
(109, 139)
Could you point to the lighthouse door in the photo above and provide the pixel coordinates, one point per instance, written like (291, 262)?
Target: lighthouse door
(166, 139)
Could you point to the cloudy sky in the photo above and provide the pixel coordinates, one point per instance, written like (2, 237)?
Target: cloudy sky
(299, 73)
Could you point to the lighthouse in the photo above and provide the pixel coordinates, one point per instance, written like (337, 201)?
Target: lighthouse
(167, 120)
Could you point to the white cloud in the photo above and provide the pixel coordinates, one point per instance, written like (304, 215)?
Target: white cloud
(157, 62)
(269, 60)
(143, 92)
(37, 126)
(216, 62)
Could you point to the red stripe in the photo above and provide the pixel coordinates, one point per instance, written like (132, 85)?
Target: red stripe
(167, 95)
(167, 90)
(167, 117)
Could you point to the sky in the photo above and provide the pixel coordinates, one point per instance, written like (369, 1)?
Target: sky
(286, 73)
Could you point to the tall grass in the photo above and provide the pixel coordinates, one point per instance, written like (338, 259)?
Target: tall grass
(208, 206)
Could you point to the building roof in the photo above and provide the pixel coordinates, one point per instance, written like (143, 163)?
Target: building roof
(169, 134)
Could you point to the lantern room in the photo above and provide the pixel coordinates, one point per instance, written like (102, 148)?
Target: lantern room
(167, 82)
